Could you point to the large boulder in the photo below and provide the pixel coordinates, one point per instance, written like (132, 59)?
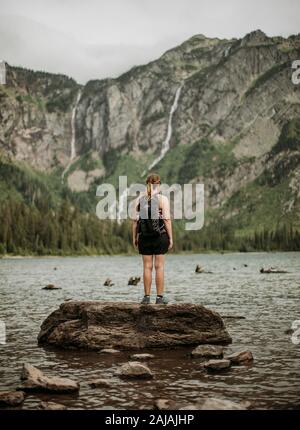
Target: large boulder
(96, 325)
(34, 380)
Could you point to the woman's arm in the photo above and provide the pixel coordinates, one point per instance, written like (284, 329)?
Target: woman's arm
(134, 233)
(167, 219)
(134, 225)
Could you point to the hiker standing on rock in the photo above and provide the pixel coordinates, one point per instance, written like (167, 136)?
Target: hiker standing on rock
(152, 235)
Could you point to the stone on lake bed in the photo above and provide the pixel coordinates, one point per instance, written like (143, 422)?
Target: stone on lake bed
(52, 406)
(11, 398)
(219, 404)
(217, 365)
(142, 356)
(165, 404)
(240, 357)
(134, 369)
(207, 351)
(108, 351)
(34, 380)
(212, 404)
(95, 325)
(100, 383)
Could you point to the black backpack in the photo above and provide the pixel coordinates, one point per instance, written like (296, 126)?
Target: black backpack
(147, 226)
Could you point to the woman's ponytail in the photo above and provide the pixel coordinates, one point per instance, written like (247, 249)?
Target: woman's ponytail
(151, 179)
(149, 190)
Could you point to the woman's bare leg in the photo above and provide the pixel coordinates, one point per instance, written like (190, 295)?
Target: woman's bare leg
(159, 274)
(148, 266)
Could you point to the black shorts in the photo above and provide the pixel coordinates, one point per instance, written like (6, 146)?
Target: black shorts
(153, 245)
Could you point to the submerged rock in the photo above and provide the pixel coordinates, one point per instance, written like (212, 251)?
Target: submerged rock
(165, 404)
(142, 356)
(240, 357)
(211, 404)
(52, 406)
(220, 405)
(34, 380)
(207, 351)
(99, 383)
(122, 325)
(109, 351)
(216, 405)
(134, 369)
(217, 365)
(11, 398)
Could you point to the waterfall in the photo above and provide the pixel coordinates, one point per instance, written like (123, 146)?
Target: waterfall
(73, 135)
(122, 203)
(166, 143)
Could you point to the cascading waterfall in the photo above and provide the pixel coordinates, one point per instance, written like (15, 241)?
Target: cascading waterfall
(166, 143)
(164, 150)
(73, 135)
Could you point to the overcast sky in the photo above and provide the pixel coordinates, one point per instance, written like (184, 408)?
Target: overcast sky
(104, 38)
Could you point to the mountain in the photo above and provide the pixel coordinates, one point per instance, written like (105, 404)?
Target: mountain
(221, 112)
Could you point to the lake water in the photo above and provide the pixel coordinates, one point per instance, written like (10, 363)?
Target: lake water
(269, 303)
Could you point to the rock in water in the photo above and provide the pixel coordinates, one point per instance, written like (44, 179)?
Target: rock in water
(108, 283)
(217, 365)
(165, 404)
(207, 351)
(142, 357)
(134, 369)
(109, 351)
(51, 287)
(240, 357)
(35, 380)
(52, 406)
(122, 325)
(134, 280)
(11, 398)
(220, 405)
(99, 383)
(211, 404)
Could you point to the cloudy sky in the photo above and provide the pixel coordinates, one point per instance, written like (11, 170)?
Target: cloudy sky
(104, 38)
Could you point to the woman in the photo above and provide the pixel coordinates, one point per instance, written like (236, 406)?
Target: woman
(152, 234)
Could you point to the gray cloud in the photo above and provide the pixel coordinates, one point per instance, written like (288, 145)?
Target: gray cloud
(101, 38)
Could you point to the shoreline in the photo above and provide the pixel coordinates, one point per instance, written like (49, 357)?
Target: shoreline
(21, 257)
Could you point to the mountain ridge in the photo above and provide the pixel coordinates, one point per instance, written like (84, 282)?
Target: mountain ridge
(237, 103)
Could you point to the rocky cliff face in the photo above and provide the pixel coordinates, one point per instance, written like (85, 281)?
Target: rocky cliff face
(236, 95)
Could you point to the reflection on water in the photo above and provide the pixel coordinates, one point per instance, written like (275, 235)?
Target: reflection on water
(270, 303)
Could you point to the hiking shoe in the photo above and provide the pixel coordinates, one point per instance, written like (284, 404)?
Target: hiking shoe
(161, 301)
(146, 300)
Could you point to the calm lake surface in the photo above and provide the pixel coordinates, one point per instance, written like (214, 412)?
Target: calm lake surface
(269, 303)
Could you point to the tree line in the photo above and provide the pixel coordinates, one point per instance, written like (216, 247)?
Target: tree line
(65, 230)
